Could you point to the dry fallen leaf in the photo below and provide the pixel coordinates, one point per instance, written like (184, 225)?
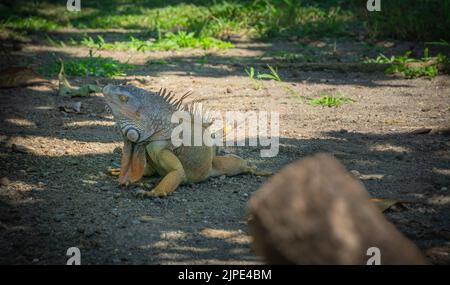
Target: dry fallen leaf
(20, 76)
(421, 131)
(385, 204)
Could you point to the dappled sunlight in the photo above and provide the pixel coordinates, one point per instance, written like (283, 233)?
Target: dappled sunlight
(441, 171)
(44, 108)
(179, 247)
(57, 147)
(237, 237)
(439, 200)
(21, 122)
(22, 186)
(173, 235)
(389, 147)
(90, 123)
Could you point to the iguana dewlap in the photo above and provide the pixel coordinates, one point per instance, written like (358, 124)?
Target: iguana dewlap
(144, 120)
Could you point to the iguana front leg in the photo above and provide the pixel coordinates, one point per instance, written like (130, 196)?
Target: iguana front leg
(168, 163)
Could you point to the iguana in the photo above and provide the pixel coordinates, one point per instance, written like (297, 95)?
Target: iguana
(144, 120)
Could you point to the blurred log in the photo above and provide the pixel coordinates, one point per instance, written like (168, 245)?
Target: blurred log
(315, 212)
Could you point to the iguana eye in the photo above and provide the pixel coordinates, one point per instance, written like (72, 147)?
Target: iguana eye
(123, 98)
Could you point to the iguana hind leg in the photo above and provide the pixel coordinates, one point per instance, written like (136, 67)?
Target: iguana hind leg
(231, 164)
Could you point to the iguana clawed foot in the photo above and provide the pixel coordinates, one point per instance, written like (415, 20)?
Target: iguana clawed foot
(151, 194)
(253, 170)
(114, 171)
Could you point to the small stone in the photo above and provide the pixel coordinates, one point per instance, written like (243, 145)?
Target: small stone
(421, 131)
(318, 44)
(77, 107)
(58, 218)
(117, 195)
(145, 219)
(389, 44)
(355, 173)
(222, 177)
(444, 189)
(4, 181)
(229, 90)
(89, 232)
(245, 194)
(35, 260)
(104, 188)
(158, 200)
(135, 222)
(372, 176)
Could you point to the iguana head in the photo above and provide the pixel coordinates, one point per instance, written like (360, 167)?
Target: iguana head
(126, 107)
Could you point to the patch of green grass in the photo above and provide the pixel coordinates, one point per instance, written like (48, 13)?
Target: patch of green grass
(328, 100)
(91, 66)
(273, 75)
(439, 43)
(216, 19)
(32, 23)
(413, 72)
(257, 77)
(325, 100)
(251, 72)
(169, 41)
(411, 67)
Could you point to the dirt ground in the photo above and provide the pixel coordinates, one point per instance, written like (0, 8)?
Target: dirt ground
(59, 194)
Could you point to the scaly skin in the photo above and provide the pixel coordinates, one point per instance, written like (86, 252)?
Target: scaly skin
(144, 120)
